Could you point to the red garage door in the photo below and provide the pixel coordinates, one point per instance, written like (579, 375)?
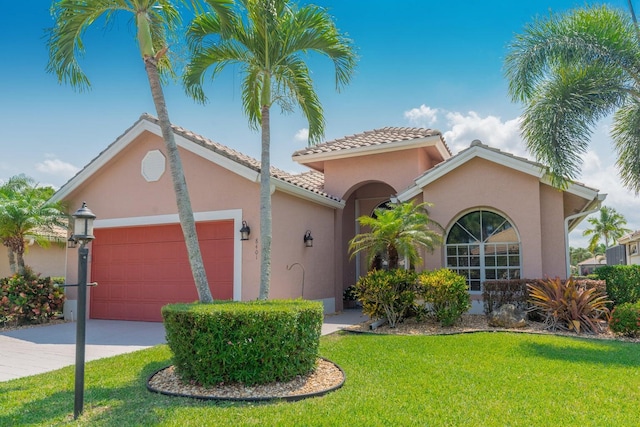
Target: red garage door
(140, 269)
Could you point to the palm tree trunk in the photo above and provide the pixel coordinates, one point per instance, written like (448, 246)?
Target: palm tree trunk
(185, 212)
(265, 206)
(12, 260)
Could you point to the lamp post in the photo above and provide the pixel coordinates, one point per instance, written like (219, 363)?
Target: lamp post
(83, 233)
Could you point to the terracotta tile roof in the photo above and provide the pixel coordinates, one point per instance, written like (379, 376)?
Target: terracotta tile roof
(310, 181)
(376, 137)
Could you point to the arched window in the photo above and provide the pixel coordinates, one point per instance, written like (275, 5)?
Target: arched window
(483, 245)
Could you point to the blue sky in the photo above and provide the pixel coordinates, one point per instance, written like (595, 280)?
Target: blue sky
(422, 63)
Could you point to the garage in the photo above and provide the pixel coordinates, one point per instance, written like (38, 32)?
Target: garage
(140, 269)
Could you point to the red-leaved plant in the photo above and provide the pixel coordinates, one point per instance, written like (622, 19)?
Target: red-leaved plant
(567, 306)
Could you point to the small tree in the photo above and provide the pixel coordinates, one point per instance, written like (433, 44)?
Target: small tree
(26, 213)
(397, 232)
(610, 226)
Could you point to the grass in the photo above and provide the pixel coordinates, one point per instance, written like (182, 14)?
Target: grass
(488, 379)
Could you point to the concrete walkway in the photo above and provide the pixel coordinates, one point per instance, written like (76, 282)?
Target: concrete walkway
(32, 351)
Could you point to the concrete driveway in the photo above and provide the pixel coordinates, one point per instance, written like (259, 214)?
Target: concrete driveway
(32, 351)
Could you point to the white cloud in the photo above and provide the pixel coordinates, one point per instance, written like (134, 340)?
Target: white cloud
(422, 116)
(464, 128)
(57, 167)
(490, 130)
(302, 135)
(604, 177)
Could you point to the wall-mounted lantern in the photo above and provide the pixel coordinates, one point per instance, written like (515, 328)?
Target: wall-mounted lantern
(308, 240)
(71, 243)
(245, 231)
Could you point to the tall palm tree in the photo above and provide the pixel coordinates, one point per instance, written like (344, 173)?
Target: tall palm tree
(396, 232)
(154, 21)
(610, 227)
(570, 70)
(268, 40)
(25, 213)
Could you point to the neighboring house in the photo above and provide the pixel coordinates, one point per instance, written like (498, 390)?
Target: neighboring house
(588, 266)
(49, 261)
(502, 218)
(631, 243)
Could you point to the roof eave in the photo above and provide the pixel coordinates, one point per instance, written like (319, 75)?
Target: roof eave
(429, 141)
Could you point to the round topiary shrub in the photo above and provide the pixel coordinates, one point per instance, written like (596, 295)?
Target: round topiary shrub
(253, 342)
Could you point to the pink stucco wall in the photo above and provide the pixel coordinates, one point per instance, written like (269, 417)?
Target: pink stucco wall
(118, 190)
(484, 184)
(397, 169)
(44, 261)
(552, 232)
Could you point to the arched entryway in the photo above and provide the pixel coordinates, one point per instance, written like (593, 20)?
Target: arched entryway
(361, 199)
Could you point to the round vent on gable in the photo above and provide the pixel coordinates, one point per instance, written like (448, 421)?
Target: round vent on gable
(153, 165)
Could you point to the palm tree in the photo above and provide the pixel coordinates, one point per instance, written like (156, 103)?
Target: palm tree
(26, 213)
(268, 40)
(610, 227)
(154, 21)
(578, 255)
(570, 70)
(396, 232)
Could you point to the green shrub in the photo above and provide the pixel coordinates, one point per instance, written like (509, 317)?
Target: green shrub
(568, 305)
(387, 293)
(446, 294)
(623, 282)
(29, 298)
(253, 342)
(625, 319)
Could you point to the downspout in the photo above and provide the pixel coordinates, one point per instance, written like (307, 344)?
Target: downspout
(600, 199)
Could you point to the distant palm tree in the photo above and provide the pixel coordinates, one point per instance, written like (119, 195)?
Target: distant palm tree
(396, 232)
(578, 255)
(269, 39)
(154, 21)
(25, 213)
(571, 70)
(610, 227)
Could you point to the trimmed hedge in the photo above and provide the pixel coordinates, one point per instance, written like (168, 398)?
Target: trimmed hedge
(623, 282)
(252, 342)
(28, 298)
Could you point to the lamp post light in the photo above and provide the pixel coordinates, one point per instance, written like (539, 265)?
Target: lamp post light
(83, 233)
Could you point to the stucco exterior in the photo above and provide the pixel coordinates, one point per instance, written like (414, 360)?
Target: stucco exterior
(129, 185)
(48, 261)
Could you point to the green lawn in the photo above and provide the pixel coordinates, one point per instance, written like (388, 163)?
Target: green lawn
(483, 379)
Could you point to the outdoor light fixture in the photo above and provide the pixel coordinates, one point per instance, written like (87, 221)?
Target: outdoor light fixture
(245, 231)
(83, 225)
(71, 243)
(308, 240)
(83, 234)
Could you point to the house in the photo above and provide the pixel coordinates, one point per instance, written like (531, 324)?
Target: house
(631, 243)
(502, 218)
(45, 261)
(589, 265)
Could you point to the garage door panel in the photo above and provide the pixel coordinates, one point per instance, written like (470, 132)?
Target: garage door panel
(140, 269)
